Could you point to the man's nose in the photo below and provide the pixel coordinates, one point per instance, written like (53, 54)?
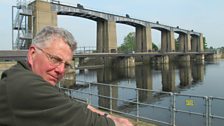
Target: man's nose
(60, 68)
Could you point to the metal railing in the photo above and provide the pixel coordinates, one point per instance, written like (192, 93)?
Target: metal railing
(162, 108)
(85, 49)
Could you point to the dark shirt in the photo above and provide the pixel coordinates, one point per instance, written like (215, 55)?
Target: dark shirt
(28, 100)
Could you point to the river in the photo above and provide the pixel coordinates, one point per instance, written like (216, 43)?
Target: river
(189, 78)
(183, 78)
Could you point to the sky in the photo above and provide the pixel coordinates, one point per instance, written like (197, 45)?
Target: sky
(204, 16)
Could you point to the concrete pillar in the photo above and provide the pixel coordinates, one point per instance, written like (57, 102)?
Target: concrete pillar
(194, 43)
(164, 43)
(200, 58)
(143, 42)
(143, 39)
(100, 36)
(138, 39)
(171, 41)
(122, 62)
(147, 43)
(188, 42)
(181, 42)
(167, 41)
(162, 60)
(100, 40)
(106, 40)
(147, 39)
(184, 58)
(138, 42)
(43, 15)
(106, 36)
(112, 37)
(201, 44)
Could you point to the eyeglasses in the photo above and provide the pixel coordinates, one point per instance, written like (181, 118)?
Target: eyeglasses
(55, 60)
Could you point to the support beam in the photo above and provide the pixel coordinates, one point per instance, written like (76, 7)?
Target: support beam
(201, 44)
(143, 39)
(147, 39)
(164, 43)
(194, 43)
(181, 42)
(167, 41)
(100, 37)
(43, 15)
(188, 43)
(106, 36)
(138, 39)
(171, 41)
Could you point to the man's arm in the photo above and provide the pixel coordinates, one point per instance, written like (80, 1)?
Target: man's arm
(118, 121)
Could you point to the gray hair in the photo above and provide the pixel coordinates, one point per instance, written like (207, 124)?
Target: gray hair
(48, 33)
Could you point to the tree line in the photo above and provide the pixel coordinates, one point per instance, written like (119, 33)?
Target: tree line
(129, 44)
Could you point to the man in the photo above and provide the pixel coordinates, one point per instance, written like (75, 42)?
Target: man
(29, 97)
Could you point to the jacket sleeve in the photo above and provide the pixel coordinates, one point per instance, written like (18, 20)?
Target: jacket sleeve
(34, 102)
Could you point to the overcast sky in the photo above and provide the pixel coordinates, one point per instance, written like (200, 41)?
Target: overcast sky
(205, 16)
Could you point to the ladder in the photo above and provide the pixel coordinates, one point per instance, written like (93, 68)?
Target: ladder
(21, 29)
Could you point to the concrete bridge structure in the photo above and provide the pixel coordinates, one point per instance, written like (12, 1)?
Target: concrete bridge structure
(43, 13)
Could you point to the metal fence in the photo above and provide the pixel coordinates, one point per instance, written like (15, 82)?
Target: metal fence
(161, 108)
(85, 49)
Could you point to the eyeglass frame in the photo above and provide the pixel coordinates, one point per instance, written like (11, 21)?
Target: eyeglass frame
(55, 60)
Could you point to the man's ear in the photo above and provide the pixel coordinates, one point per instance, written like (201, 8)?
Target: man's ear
(31, 54)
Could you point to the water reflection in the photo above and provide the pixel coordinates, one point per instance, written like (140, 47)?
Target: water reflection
(185, 74)
(144, 81)
(143, 77)
(198, 72)
(111, 76)
(165, 77)
(168, 77)
(107, 76)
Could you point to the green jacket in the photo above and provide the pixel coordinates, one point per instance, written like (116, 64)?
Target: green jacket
(28, 100)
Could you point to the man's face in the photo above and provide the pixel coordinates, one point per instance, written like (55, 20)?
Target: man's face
(50, 62)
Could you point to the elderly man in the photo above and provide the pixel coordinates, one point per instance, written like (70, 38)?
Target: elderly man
(29, 97)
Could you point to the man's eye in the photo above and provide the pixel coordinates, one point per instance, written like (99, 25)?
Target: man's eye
(55, 59)
(67, 65)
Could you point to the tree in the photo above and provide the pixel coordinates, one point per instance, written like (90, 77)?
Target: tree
(129, 44)
(205, 43)
(177, 44)
(155, 47)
